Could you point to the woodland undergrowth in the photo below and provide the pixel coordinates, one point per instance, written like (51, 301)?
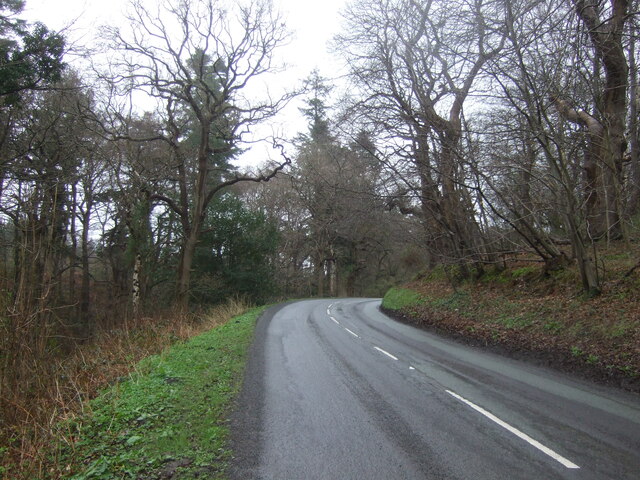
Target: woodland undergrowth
(53, 388)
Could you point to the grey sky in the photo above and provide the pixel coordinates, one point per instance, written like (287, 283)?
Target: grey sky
(312, 22)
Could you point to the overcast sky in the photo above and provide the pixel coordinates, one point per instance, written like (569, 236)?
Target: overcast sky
(312, 22)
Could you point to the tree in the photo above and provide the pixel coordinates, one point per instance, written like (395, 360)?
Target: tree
(415, 64)
(195, 60)
(605, 127)
(335, 231)
(576, 194)
(29, 58)
(235, 255)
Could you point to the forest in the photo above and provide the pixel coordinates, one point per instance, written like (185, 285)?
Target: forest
(469, 132)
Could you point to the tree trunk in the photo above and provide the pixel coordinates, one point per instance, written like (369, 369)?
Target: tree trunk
(633, 204)
(136, 285)
(184, 271)
(320, 275)
(85, 289)
(608, 147)
(333, 275)
(73, 255)
(588, 271)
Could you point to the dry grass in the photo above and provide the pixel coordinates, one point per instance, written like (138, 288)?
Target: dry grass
(59, 385)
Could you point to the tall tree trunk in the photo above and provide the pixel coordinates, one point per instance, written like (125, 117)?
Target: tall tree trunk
(85, 289)
(609, 145)
(333, 274)
(136, 285)
(73, 255)
(633, 204)
(586, 266)
(184, 271)
(320, 275)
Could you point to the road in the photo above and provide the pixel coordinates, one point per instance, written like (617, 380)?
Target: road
(335, 389)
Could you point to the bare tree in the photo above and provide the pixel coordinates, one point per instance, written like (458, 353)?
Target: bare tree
(196, 60)
(416, 64)
(604, 23)
(633, 203)
(539, 149)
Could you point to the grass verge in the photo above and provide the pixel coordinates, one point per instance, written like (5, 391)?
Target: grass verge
(397, 298)
(167, 420)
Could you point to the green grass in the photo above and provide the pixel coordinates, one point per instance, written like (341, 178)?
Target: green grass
(453, 302)
(513, 321)
(500, 277)
(523, 271)
(170, 415)
(398, 298)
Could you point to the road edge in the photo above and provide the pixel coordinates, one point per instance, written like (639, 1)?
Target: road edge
(554, 360)
(245, 421)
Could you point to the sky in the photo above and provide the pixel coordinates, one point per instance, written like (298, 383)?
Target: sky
(313, 24)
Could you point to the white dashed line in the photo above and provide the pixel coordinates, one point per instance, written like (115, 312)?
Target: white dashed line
(386, 353)
(516, 432)
(335, 321)
(355, 335)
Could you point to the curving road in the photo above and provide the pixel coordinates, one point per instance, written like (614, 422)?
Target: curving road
(335, 389)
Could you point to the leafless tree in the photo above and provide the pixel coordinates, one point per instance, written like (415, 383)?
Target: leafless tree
(196, 60)
(605, 122)
(416, 65)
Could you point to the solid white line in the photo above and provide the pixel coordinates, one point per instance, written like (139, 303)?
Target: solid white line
(336, 321)
(516, 432)
(351, 332)
(386, 353)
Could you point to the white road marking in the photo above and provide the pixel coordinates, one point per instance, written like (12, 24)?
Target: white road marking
(411, 368)
(516, 432)
(386, 353)
(336, 321)
(351, 332)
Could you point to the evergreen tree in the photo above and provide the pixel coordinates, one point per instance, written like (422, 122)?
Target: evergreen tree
(316, 107)
(29, 57)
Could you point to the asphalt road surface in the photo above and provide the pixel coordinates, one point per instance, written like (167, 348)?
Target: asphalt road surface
(335, 389)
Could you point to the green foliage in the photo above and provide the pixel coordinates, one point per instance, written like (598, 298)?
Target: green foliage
(455, 301)
(170, 413)
(433, 274)
(592, 359)
(629, 371)
(495, 276)
(3, 451)
(139, 240)
(553, 326)
(398, 298)
(514, 321)
(620, 329)
(316, 106)
(28, 57)
(235, 254)
(523, 271)
(576, 351)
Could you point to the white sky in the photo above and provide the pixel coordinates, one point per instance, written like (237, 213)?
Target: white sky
(312, 22)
